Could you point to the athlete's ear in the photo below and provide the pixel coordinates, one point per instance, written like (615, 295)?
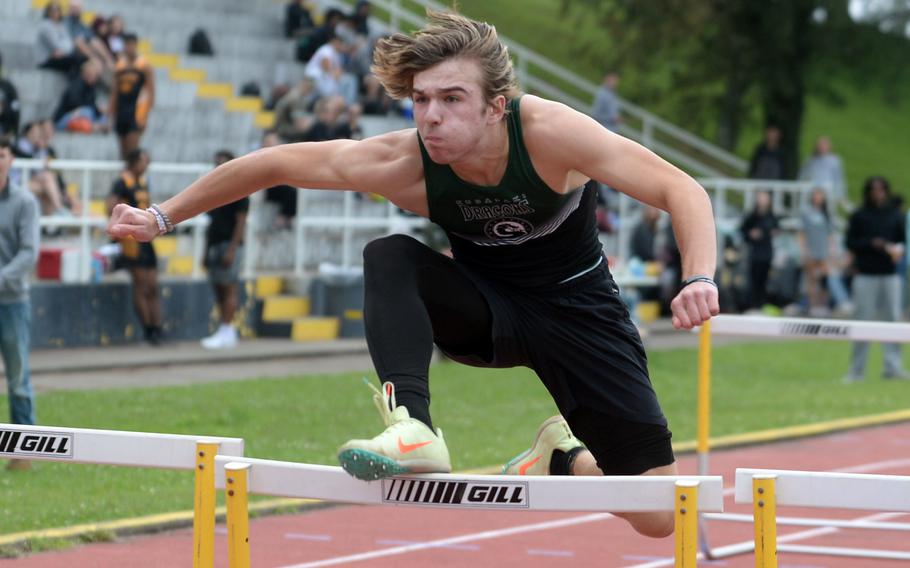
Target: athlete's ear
(496, 109)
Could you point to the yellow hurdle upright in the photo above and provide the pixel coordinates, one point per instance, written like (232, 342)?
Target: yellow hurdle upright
(204, 509)
(686, 523)
(764, 509)
(238, 514)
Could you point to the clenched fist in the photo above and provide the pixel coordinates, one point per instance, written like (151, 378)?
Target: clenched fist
(129, 221)
(694, 305)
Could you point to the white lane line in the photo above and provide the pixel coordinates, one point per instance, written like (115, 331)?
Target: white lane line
(395, 542)
(485, 535)
(305, 536)
(551, 553)
(875, 466)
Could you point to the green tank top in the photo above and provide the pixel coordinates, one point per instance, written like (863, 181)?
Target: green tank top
(519, 230)
(520, 207)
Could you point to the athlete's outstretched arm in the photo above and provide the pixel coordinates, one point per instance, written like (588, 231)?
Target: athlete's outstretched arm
(382, 164)
(579, 143)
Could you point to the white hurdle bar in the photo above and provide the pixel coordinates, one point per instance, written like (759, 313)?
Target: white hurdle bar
(843, 330)
(783, 328)
(132, 449)
(822, 489)
(768, 488)
(107, 447)
(685, 495)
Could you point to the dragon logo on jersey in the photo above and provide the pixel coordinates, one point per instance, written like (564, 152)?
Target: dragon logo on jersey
(507, 228)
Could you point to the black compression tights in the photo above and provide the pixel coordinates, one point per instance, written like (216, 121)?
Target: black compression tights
(414, 296)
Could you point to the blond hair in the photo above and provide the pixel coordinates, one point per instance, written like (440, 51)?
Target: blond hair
(447, 36)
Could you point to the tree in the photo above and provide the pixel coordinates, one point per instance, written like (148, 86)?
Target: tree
(734, 54)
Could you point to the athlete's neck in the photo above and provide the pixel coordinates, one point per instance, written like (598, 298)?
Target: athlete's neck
(487, 163)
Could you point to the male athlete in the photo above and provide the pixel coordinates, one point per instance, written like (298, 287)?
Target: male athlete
(507, 177)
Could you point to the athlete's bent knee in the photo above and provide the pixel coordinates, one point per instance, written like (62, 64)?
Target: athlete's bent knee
(382, 249)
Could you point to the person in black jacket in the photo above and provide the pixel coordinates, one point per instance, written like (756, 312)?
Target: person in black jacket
(758, 230)
(876, 236)
(9, 105)
(78, 109)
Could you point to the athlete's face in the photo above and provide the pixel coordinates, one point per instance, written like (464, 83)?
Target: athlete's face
(449, 108)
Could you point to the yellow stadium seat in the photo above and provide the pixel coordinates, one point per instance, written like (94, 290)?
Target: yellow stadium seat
(268, 286)
(285, 308)
(648, 311)
(315, 329)
(166, 246)
(97, 208)
(187, 75)
(168, 60)
(215, 90)
(264, 120)
(243, 104)
(180, 265)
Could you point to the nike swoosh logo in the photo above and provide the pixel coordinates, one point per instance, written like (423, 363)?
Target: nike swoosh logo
(408, 448)
(527, 466)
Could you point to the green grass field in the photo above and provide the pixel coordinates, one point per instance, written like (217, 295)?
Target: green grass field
(487, 415)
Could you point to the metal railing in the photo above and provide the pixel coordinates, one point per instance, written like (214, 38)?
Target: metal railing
(90, 189)
(333, 226)
(730, 199)
(539, 74)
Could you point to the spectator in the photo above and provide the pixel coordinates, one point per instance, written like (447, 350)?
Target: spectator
(56, 49)
(375, 99)
(101, 28)
(18, 252)
(758, 229)
(326, 69)
(132, 189)
(644, 235)
(825, 169)
(78, 110)
(331, 122)
(297, 20)
(768, 158)
(606, 102)
(223, 259)
(817, 243)
(134, 96)
(9, 105)
(45, 185)
(85, 39)
(293, 111)
(360, 18)
(308, 44)
(283, 196)
(116, 36)
(876, 237)
(643, 249)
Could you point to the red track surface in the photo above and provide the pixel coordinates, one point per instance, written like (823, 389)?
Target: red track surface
(490, 538)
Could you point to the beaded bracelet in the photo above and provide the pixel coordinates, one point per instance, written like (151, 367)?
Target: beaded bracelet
(698, 278)
(165, 225)
(162, 228)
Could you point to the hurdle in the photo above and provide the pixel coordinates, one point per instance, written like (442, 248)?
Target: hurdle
(763, 326)
(685, 495)
(133, 449)
(767, 488)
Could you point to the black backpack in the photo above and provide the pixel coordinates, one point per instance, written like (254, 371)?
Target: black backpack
(200, 43)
